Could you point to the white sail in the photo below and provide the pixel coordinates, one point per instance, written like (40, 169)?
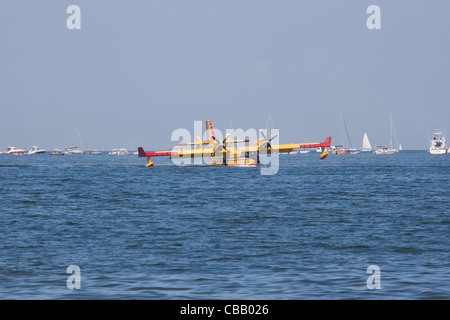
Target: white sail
(366, 146)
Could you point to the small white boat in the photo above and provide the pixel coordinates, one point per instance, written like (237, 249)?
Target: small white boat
(384, 150)
(437, 145)
(73, 150)
(120, 152)
(304, 151)
(92, 151)
(57, 152)
(352, 151)
(36, 150)
(14, 150)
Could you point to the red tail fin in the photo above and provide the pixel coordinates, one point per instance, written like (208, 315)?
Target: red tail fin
(326, 143)
(141, 152)
(210, 131)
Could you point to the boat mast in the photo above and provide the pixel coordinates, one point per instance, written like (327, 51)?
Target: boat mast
(348, 136)
(392, 130)
(79, 138)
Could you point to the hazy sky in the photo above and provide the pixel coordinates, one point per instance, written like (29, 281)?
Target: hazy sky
(137, 70)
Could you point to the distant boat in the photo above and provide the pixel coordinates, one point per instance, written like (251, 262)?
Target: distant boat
(384, 150)
(437, 144)
(341, 149)
(92, 151)
(338, 149)
(120, 152)
(392, 133)
(303, 151)
(73, 150)
(36, 150)
(13, 150)
(57, 152)
(366, 146)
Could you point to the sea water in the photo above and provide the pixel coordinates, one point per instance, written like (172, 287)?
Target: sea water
(314, 230)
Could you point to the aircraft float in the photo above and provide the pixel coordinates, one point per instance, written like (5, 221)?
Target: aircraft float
(223, 153)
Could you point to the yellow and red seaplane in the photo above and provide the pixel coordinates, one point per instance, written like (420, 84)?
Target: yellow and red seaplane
(222, 153)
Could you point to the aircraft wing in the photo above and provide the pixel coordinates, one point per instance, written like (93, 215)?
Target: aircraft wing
(286, 148)
(181, 153)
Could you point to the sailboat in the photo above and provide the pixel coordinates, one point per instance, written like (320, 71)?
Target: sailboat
(366, 146)
(340, 149)
(392, 133)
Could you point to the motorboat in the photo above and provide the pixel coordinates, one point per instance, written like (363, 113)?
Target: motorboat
(57, 152)
(13, 150)
(92, 151)
(120, 152)
(36, 150)
(437, 144)
(384, 150)
(73, 150)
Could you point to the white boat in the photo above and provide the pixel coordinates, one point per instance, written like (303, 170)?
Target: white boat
(303, 151)
(14, 150)
(93, 151)
(437, 145)
(392, 134)
(338, 149)
(120, 152)
(366, 146)
(73, 150)
(384, 150)
(57, 152)
(36, 150)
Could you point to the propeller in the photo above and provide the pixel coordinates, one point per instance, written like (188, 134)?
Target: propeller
(220, 144)
(226, 151)
(267, 142)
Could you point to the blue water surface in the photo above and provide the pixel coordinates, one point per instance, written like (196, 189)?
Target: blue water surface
(308, 232)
